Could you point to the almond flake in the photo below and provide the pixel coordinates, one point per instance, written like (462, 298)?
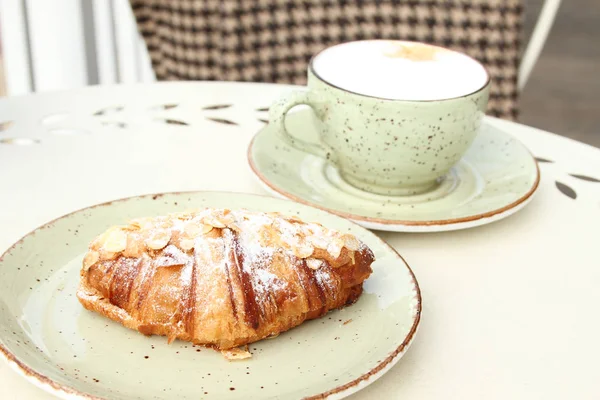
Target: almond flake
(132, 227)
(351, 242)
(140, 223)
(186, 244)
(90, 259)
(236, 354)
(335, 248)
(135, 246)
(319, 242)
(314, 263)
(115, 241)
(108, 255)
(158, 240)
(184, 215)
(171, 257)
(304, 250)
(213, 221)
(193, 229)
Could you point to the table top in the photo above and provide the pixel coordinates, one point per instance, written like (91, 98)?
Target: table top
(510, 309)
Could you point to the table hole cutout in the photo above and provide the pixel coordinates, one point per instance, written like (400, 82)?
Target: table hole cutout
(67, 131)
(173, 122)
(114, 124)
(5, 125)
(222, 121)
(566, 190)
(54, 118)
(19, 141)
(108, 111)
(216, 107)
(585, 178)
(165, 107)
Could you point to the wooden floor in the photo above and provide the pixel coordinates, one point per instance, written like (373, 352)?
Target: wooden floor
(563, 91)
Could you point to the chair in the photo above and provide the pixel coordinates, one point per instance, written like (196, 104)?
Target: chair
(273, 40)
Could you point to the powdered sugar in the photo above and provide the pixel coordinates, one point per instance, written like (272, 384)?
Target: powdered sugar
(325, 280)
(256, 228)
(266, 282)
(227, 258)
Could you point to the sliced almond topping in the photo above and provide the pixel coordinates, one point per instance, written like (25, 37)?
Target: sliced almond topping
(184, 214)
(194, 229)
(172, 256)
(236, 354)
(319, 242)
(314, 263)
(159, 239)
(227, 219)
(186, 244)
(108, 255)
(135, 246)
(140, 222)
(351, 242)
(294, 218)
(233, 223)
(133, 227)
(335, 248)
(304, 250)
(90, 259)
(206, 229)
(115, 241)
(213, 221)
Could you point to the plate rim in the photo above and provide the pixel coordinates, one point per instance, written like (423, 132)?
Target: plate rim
(391, 224)
(67, 392)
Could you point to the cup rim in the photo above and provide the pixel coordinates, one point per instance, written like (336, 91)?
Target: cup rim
(314, 72)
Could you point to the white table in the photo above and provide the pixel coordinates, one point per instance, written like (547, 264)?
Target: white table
(511, 309)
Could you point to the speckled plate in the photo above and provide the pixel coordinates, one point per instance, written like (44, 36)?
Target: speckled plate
(47, 336)
(496, 178)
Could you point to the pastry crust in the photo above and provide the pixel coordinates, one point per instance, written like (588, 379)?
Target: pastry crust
(221, 278)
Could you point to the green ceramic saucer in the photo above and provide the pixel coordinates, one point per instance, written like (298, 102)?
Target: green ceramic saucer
(496, 178)
(47, 336)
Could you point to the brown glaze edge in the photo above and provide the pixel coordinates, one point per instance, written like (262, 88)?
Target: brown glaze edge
(399, 350)
(381, 221)
(43, 381)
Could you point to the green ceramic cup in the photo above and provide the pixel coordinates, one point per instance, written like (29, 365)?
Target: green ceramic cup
(375, 124)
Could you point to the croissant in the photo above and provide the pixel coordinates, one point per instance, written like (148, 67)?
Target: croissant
(221, 278)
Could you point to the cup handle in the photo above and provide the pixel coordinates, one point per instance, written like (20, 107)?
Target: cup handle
(277, 115)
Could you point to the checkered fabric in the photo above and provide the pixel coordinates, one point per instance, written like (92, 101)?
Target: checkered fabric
(273, 40)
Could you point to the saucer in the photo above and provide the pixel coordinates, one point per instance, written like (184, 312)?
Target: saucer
(496, 178)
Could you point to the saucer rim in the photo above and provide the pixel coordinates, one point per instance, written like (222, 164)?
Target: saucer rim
(388, 223)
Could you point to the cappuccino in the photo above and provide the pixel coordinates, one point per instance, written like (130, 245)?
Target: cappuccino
(399, 70)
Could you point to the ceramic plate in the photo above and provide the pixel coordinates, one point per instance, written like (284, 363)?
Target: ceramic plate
(58, 345)
(496, 178)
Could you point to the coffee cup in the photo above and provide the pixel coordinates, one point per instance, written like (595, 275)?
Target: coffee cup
(393, 116)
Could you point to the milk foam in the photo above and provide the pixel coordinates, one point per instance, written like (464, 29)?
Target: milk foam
(400, 70)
